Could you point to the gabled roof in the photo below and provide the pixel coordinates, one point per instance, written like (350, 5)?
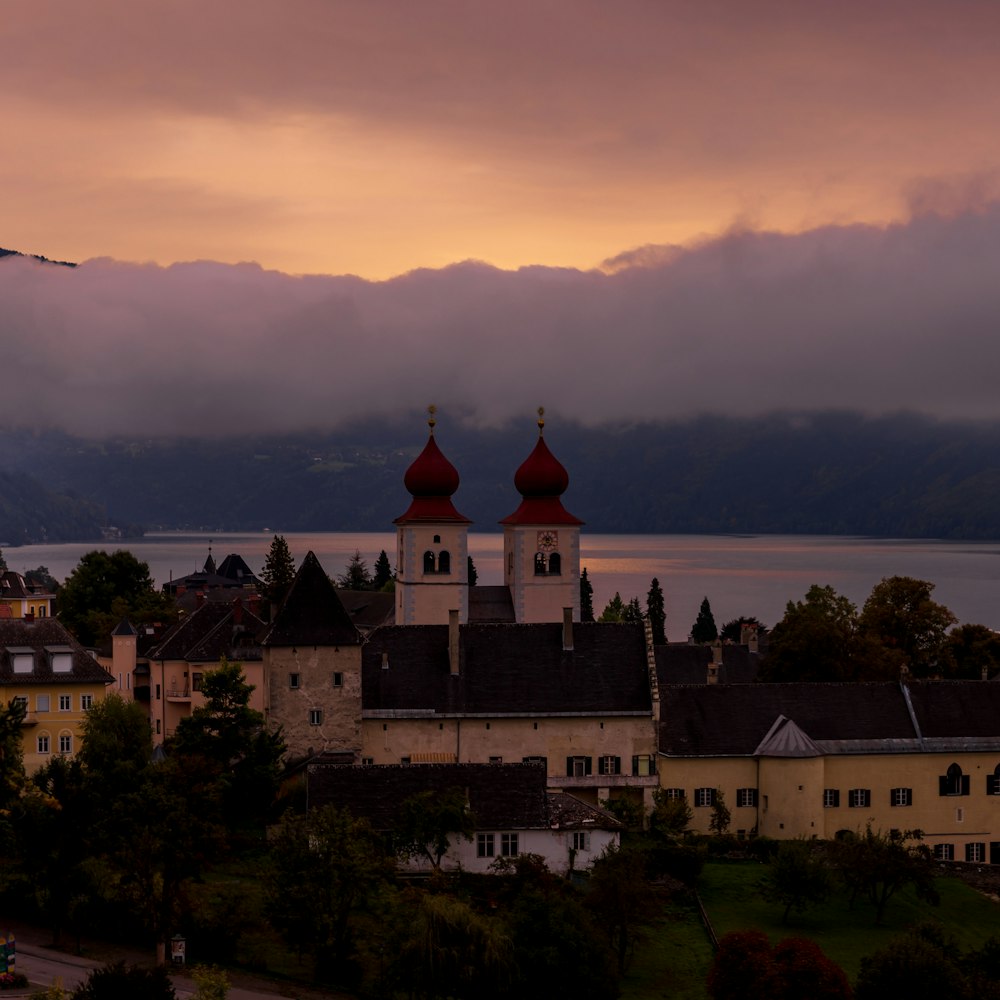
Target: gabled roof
(500, 796)
(507, 669)
(43, 637)
(687, 663)
(491, 604)
(369, 609)
(747, 720)
(312, 613)
(210, 632)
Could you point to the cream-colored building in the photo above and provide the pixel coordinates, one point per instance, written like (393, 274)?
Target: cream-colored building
(56, 680)
(810, 760)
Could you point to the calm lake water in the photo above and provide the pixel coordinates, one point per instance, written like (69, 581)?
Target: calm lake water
(747, 575)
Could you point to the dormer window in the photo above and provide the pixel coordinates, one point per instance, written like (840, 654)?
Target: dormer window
(60, 659)
(22, 659)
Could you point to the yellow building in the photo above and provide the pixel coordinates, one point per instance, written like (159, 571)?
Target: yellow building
(56, 680)
(810, 760)
(20, 599)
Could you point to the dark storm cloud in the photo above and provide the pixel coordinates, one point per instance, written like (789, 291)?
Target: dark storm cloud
(874, 319)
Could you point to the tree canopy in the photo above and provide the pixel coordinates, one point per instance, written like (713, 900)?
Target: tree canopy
(428, 820)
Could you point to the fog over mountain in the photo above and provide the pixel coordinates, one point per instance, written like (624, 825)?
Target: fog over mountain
(876, 320)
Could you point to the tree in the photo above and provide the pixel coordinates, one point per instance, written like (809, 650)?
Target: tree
(911, 628)
(877, 865)
(428, 819)
(473, 574)
(383, 572)
(103, 589)
(656, 612)
(971, 652)
(586, 597)
(670, 818)
(232, 742)
(797, 878)
(633, 612)
(116, 747)
(921, 965)
(324, 869)
(621, 898)
(279, 570)
(614, 610)
(3, 563)
(721, 816)
(41, 577)
(11, 754)
(121, 982)
(818, 640)
(704, 629)
(355, 575)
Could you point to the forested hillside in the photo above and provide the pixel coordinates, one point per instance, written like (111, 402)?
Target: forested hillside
(814, 474)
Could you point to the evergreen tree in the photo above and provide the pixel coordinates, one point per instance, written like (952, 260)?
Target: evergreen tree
(586, 597)
(3, 563)
(656, 613)
(633, 612)
(473, 575)
(355, 575)
(704, 629)
(383, 571)
(278, 571)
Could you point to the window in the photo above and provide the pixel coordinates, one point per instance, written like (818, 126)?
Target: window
(484, 845)
(23, 660)
(86, 702)
(405, 760)
(901, 797)
(644, 765)
(62, 660)
(43, 743)
(367, 761)
(975, 852)
(944, 852)
(535, 760)
(157, 727)
(859, 798)
(508, 845)
(746, 797)
(704, 796)
(673, 793)
(539, 564)
(196, 680)
(609, 765)
(157, 692)
(428, 562)
(993, 782)
(444, 562)
(338, 679)
(65, 743)
(581, 840)
(953, 782)
(831, 798)
(293, 682)
(315, 716)
(437, 539)
(64, 702)
(496, 760)
(578, 767)
(42, 703)
(555, 563)
(22, 701)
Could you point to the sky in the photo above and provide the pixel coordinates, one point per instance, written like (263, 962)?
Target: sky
(293, 214)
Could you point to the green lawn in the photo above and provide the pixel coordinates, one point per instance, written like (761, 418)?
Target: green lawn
(729, 892)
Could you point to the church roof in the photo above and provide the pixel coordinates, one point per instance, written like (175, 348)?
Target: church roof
(312, 613)
(432, 481)
(506, 669)
(541, 480)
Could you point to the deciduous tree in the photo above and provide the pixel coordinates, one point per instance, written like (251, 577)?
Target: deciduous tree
(797, 878)
(427, 822)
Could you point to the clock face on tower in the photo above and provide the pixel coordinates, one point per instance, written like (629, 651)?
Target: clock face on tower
(548, 541)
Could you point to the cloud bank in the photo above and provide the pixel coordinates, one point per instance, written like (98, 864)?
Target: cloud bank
(859, 317)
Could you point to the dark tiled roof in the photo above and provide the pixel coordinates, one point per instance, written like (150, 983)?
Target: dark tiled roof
(234, 567)
(491, 604)
(369, 609)
(40, 636)
(124, 627)
(949, 709)
(211, 632)
(732, 719)
(507, 669)
(312, 613)
(13, 585)
(501, 796)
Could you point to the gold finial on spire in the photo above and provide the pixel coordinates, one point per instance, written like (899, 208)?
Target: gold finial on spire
(541, 420)
(431, 410)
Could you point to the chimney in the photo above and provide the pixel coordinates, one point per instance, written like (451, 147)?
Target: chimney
(748, 636)
(567, 630)
(453, 642)
(385, 661)
(715, 664)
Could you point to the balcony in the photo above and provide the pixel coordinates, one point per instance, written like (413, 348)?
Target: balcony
(177, 694)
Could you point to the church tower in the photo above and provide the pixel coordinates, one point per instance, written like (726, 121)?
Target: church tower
(432, 544)
(541, 540)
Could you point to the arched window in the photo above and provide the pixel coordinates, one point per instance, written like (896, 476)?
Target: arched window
(444, 562)
(428, 562)
(555, 563)
(437, 539)
(953, 782)
(539, 564)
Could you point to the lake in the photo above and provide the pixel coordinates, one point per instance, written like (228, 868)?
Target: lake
(740, 575)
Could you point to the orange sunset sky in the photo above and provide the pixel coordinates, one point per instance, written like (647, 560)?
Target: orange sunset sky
(318, 136)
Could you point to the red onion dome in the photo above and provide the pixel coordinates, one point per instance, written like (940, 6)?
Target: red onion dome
(541, 474)
(431, 474)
